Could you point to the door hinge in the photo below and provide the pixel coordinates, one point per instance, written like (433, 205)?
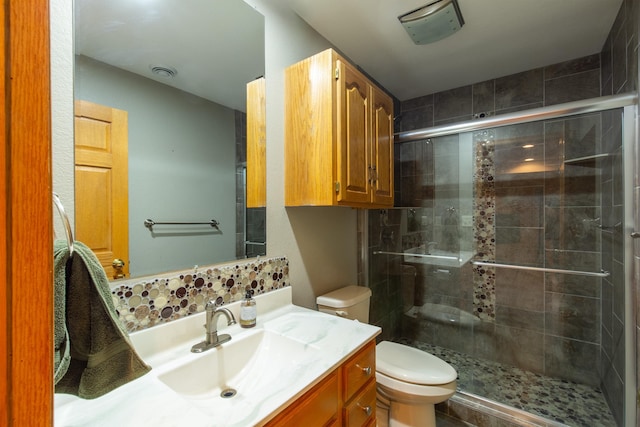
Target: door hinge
(337, 73)
(337, 185)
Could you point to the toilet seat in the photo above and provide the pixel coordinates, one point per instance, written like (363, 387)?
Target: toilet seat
(400, 391)
(410, 365)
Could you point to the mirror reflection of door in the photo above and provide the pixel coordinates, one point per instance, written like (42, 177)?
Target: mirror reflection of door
(101, 184)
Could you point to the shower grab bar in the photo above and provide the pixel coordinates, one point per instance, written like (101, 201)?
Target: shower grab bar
(65, 222)
(573, 108)
(149, 223)
(543, 269)
(454, 258)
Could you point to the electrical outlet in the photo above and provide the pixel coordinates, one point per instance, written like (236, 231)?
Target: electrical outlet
(467, 220)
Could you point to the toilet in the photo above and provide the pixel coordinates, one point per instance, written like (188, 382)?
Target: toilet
(409, 381)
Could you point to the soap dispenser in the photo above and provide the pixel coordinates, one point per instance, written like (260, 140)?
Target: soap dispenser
(248, 311)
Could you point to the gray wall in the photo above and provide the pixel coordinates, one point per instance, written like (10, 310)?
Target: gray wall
(181, 168)
(320, 243)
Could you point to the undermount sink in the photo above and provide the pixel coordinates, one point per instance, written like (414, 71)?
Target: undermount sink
(241, 368)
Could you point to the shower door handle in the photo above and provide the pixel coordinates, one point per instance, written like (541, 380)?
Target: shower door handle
(635, 234)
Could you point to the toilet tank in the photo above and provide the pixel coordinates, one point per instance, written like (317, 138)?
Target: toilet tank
(351, 302)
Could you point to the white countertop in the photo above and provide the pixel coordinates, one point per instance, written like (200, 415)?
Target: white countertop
(149, 401)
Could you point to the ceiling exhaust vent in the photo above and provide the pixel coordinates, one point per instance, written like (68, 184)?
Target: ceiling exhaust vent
(432, 22)
(163, 71)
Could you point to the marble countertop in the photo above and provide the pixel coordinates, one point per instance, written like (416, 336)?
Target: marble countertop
(149, 401)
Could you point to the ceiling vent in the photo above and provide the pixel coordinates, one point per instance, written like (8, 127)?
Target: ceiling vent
(163, 71)
(432, 22)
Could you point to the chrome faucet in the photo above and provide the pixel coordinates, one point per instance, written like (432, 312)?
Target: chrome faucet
(212, 339)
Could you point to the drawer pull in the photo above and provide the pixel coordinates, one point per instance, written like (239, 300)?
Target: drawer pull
(366, 409)
(366, 371)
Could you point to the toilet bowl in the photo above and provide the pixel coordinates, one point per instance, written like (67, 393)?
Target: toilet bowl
(409, 381)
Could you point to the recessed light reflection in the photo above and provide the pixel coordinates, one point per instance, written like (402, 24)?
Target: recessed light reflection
(528, 146)
(530, 159)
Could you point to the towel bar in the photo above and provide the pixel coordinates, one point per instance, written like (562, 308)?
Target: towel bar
(65, 221)
(543, 269)
(149, 223)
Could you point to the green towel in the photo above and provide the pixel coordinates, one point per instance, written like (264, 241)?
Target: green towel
(62, 355)
(101, 355)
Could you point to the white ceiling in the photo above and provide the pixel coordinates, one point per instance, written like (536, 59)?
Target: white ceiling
(499, 38)
(217, 47)
(216, 55)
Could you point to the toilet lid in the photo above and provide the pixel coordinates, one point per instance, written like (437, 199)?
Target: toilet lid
(411, 365)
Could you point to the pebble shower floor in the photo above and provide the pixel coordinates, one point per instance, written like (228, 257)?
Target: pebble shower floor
(563, 401)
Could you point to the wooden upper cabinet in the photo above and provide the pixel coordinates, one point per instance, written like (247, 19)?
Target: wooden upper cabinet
(338, 136)
(256, 144)
(382, 148)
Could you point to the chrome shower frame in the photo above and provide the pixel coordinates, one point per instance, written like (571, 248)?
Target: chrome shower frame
(627, 102)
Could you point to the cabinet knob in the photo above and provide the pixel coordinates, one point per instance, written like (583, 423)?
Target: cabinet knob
(367, 409)
(366, 370)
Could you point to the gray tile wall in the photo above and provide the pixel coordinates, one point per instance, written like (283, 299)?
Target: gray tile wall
(241, 163)
(613, 70)
(619, 74)
(254, 218)
(555, 84)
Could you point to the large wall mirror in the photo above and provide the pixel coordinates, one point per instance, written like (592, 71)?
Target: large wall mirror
(177, 71)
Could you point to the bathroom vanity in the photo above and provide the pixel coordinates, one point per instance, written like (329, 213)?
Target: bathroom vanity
(296, 367)
(347, 396)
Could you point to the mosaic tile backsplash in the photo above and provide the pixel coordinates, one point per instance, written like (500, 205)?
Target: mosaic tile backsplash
(156, 300)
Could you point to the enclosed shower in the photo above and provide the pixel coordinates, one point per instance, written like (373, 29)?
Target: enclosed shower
(509, 257)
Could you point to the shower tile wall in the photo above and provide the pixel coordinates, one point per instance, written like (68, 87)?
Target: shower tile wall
(619, 74)
(522, 304)
(385, 271)
(241, 164)
(564, 82)
(254, 219)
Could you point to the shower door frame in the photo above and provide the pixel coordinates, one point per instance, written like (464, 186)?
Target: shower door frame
(626, 102)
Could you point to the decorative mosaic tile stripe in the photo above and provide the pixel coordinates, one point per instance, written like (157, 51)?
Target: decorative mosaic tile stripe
(484, 202)
(157, 300)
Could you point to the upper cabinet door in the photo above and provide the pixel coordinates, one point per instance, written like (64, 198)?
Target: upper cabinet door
(354, 135)
(382, 148)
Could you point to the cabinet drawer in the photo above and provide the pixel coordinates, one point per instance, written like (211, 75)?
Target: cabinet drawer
(362, 409)
(359, 369)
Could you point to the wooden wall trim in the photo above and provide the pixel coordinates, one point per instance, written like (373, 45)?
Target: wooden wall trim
(27, 256)
(4, 324)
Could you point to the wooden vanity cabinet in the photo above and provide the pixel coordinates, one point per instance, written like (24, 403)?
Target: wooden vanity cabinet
(347, 397)
(359, 388)
(338, 136)
(256, 144)
(318, 407)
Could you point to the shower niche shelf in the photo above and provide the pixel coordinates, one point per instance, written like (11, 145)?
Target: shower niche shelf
(436, 257)
(587, 161)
